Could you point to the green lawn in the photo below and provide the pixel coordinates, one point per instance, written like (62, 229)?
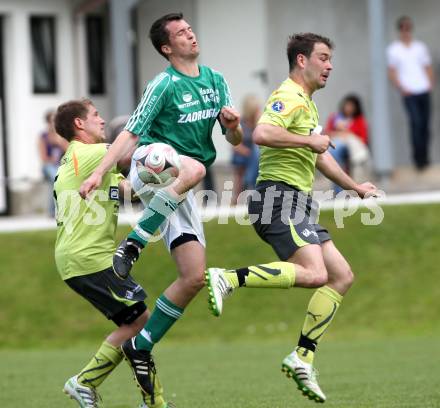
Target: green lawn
(356, 374)
(381, 351)
(396, 290)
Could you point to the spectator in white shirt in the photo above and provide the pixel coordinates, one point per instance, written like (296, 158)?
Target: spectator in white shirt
(410, 71)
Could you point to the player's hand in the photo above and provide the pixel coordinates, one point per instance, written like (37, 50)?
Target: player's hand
(89, 185)
(319, 143)
(366, 190)
(229, 117)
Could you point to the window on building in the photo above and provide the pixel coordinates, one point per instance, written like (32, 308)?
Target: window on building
(43, 54)
(95, 54)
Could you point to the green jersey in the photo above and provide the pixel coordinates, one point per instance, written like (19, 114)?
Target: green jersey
(85, 228)
(181, 111)
(292, 109)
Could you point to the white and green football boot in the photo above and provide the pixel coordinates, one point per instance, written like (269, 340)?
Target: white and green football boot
(304, 375)
(218, 289)
(86, 397)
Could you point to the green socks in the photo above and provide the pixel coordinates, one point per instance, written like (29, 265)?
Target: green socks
(161, 206)
(164, 315)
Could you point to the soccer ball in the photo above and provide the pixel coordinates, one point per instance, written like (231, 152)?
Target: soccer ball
(157, 164)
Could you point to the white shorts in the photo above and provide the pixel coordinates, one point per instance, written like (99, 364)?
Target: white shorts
(185, 220)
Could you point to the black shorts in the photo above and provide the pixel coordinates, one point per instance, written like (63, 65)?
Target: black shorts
(119, 300)
(285, 218)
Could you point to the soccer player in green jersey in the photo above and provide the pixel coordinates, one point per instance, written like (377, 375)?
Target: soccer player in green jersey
(179, 107)
(291, 148)
(85, 245)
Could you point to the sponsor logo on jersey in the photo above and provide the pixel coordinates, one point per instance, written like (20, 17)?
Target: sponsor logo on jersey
(114, 193)
(206, 91)
(187, 97)
(199, 115)
(278, 106)
(188, 104)
(175, 78)
(210, 95)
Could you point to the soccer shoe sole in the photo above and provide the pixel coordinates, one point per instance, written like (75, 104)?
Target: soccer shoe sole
(117, 274)
(212, 304)
(71, 396)
(306, 391)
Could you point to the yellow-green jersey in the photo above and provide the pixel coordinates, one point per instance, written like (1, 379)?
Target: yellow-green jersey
(85, 228)
(291, 108)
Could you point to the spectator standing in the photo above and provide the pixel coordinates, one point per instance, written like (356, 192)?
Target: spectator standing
(245, 156)
(51, 148)
(410, 71)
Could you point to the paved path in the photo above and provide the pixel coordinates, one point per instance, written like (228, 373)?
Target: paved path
(37, 223)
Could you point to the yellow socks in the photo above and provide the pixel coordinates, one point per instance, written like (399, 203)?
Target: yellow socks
(100, 366)
(271, 275)
(320, 312)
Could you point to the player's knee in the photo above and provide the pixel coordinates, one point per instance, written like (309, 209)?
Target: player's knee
(137, 325)
(347, 278)
(343, 280)
(195, 282)
(198, 171)
(198, 282)
(319, 278)
(192, 170)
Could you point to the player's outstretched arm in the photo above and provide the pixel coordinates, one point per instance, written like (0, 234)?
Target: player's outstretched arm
(118, 149)
(328, 166)
(277, 136)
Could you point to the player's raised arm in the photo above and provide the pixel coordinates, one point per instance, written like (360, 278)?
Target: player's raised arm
(118, 149)
(277, 136)
(230, 119)
(150, 105)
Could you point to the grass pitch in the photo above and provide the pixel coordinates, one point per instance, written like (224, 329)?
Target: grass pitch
(396, 290)
(354, 374)
(381, 350)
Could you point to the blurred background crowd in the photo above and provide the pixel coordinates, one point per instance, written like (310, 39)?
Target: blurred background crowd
(379, 105)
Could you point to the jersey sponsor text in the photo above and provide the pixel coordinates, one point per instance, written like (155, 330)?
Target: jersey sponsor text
(199, 115)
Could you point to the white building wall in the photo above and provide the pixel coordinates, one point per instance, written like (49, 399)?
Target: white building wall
(24, 109)
(233, 40)
(237, 38)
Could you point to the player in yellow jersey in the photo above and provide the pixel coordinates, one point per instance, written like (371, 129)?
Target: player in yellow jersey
(84, 251)
(291, 149)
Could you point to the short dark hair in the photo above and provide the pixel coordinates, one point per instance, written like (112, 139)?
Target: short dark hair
(303, 43)
(401, 22)
(66, 114)
(159, 35)
(356, 101)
